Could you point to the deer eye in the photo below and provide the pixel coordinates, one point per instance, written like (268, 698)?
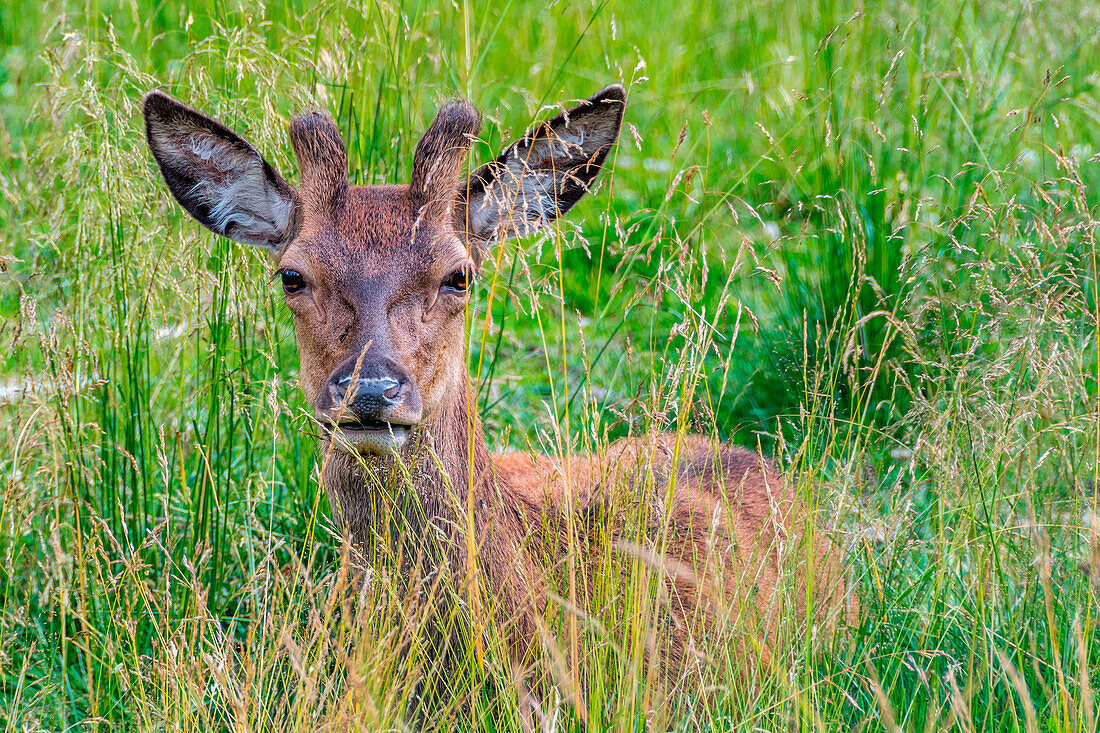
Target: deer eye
(292, 281)
(458, 281)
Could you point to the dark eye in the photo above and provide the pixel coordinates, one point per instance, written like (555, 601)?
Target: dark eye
(292, 281)
(458, 281)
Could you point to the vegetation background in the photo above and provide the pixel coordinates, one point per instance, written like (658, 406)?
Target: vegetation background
(860, 237)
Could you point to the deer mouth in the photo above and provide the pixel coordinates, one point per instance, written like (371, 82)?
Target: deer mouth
(363, 425)
(367, 436)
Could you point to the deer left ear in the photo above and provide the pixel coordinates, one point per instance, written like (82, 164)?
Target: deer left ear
(540, 177)
(217, 176)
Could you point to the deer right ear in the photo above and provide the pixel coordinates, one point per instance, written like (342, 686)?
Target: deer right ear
(540, 177)
(217, 176)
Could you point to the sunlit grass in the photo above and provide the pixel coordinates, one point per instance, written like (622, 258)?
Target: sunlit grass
(862, 239)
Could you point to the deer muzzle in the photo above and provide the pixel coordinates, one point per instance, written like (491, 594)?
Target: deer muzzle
(372, 415)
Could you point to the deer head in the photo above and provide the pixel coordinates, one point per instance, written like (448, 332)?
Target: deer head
(377, 277)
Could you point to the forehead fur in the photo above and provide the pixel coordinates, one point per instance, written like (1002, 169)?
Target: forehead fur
(375, 229)
(379, 223)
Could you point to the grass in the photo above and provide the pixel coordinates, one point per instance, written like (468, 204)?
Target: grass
(860, 237)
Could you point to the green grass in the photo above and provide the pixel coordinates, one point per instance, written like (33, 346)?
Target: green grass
(861, 237)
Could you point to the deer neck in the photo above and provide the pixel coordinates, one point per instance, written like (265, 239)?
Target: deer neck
(427, 494)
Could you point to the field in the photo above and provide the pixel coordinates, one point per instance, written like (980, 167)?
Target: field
(861, 239)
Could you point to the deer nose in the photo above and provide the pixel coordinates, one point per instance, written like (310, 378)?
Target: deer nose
(368, 395)
(374, 409)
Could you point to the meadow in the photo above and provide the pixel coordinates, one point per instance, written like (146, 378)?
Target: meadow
(860, 238)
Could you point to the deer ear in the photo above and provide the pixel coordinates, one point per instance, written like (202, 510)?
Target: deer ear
(540, 177)
(217, 176)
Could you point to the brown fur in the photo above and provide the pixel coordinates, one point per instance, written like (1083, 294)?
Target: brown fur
(716, 516)
(322, 160)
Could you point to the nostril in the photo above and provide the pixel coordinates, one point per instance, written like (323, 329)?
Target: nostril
(391, 393)
(337, 392)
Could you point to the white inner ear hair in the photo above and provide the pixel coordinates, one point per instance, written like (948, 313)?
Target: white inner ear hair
(523, 196)
(519, 201)
(232, 184)
(566, 145)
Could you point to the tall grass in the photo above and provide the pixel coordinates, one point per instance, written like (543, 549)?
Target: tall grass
(861, 238)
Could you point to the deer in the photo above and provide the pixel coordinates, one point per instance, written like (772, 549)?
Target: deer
(378, 279)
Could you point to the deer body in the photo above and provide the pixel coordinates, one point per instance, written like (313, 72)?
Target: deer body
(519, 504)
(376, 278)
